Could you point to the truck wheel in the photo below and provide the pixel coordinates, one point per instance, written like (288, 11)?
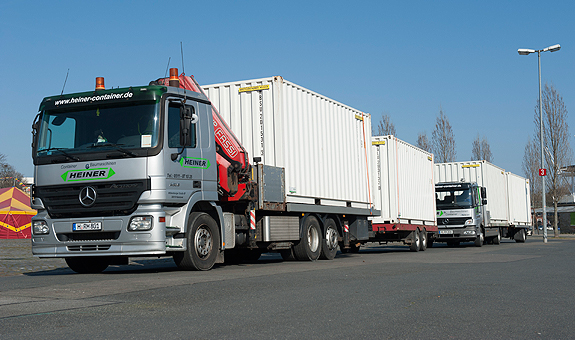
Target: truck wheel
(423, 240)
(309, 246)
(520, 236)
(203, 241)
(87, 265)
(497, 238)
(480, 238)
(329, 242)
(415, 241)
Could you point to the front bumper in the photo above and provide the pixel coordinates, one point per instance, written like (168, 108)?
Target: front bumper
(113, 240)
(457, 233)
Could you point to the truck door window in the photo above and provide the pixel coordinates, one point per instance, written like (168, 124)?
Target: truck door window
(174, 127)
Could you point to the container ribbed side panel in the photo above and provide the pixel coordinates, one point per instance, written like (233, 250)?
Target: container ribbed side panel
(403, 182)
(319, 141)
(519, 199)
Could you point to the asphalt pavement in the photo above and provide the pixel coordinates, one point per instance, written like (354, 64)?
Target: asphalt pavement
(507, 291)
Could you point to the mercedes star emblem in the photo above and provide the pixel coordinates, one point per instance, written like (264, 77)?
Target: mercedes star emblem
(87, 196)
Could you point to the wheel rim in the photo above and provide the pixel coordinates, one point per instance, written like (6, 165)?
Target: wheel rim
(313, 239)
(203, 241)
(417, 238)
(331, 238)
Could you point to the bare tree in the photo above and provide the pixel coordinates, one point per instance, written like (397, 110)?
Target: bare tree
(385, 127)
(423, 142)
(443, 139)
(9, 177)
(556, 143)
(481, 150)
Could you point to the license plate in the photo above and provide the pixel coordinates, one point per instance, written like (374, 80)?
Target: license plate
(87, 226)
(446, 231)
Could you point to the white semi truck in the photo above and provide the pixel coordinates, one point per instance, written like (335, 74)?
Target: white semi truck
(156, 171)
(480, 202)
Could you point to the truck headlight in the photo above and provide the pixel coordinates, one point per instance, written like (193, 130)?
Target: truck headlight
(469, 222)
(469, 232)
(140, 223)
(40, 228)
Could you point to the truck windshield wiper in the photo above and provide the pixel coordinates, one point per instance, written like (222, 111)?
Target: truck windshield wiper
(116, 146)
(61, 150)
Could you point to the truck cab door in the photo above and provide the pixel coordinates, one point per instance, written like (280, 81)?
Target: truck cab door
(184, 174)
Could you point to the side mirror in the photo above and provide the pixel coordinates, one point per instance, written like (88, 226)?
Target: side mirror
(35, 129)
(483, 192)
(483, 201)
(186, 116)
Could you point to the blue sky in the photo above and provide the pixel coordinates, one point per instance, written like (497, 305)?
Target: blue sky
(401, 58)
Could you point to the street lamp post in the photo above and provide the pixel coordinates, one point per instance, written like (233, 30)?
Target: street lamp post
(526, 51)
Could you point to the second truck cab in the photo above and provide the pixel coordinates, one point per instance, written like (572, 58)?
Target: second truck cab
(460, 212)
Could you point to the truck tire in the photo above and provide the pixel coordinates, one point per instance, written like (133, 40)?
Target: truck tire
(520, 236)
(423, 240)
(480, 238)
(309, 246)
(329, 241)
(203, 242)
(497, 238)
(87, 265)
(415, 241)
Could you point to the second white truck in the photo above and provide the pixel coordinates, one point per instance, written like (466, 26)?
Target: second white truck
(480, 202)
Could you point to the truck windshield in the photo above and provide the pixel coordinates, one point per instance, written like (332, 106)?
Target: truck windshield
(69, 133)
(453, 198)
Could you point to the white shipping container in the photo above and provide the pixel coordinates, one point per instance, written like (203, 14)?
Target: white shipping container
(484, 174)
(519, 200)
(320, 142)
(403, 182)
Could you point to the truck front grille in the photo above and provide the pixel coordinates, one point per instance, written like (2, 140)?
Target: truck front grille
(452, 220)
(112, 198)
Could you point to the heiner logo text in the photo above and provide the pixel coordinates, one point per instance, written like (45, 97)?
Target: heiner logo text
(188, 162)
(86, 175)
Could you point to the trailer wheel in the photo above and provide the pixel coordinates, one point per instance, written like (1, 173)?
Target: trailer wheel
(415, 241)
(480, 238)
(87, 265)
(329, 242)
(520, 236)
(203, 240)
(497, 238)
(423, 240)
(309, 246)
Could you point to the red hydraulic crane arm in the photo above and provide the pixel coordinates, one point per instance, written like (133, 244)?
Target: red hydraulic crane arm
(234, 168)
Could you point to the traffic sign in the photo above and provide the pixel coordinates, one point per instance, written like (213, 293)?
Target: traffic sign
(542, 172)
